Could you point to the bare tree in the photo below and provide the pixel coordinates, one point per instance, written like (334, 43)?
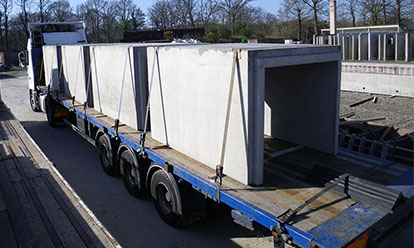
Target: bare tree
(24, 6)
(207, 11)
(373, 8)
(401, 11)
(109, 23)
(161, 14)
(233, 11)
(384, 5)
(7, 6)
(125, 10)
(316, 6)
(43, 6)
(186, 12)
(91, 13)
(351, 6)
(61, 11)
(137, 19)
(297, 10)
(363, 12)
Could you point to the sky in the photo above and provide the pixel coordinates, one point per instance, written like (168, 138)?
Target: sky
(271, 6)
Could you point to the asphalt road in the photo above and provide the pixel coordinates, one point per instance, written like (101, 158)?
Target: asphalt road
(133, 222)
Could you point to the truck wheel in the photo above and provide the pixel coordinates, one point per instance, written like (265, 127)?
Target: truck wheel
(166, 198)
(33, 101)
(50, 111)
(105, 156)
(133, 176)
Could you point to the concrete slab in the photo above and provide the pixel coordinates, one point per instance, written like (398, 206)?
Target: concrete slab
(189, 101)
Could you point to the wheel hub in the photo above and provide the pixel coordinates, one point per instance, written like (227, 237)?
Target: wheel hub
(131, 175)
(168, 197)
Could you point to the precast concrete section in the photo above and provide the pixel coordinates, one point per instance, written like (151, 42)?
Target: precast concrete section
(379, 78)
(76, 73)
(51, 66)
(111, 77)
(362, 46)
(277, 90)
(119, 82)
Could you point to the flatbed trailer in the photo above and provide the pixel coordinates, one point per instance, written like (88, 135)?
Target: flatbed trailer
(334, 219)
(38, 207)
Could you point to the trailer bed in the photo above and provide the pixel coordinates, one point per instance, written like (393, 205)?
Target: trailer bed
(288, 183)
(38, 208)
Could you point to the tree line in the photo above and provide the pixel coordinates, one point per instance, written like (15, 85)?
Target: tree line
(303, 18)
(223, 20)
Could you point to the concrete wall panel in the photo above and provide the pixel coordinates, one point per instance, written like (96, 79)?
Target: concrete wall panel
(380, 78)
(400, 46)
(373, 46)
(108, 64)
(51, 66)
(363, 47)
(188, 106)
(76, 75)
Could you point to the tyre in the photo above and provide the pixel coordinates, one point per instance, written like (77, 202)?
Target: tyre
(50, 111)
(166, 198)
(106, 156)
(133, 177)
(34, 102)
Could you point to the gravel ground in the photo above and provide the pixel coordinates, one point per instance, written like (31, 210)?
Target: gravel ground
(396, 109)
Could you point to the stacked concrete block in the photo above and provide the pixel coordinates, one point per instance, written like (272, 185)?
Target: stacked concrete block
(191, 87)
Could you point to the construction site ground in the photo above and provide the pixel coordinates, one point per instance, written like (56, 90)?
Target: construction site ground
(397, 110)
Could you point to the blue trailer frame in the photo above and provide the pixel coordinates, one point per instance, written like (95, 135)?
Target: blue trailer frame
(340, 231)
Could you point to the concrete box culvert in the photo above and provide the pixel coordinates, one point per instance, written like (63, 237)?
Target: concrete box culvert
(289, 92)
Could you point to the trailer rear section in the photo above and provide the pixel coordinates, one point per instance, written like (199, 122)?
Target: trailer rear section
(308, 198)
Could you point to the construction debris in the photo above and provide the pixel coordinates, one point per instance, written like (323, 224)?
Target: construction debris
(348, 120)
(362, 101)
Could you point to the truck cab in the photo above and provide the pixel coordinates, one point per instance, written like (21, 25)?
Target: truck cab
(50, 33)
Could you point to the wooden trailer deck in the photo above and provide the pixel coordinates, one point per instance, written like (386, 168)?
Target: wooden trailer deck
(38, 208)
(288, 179)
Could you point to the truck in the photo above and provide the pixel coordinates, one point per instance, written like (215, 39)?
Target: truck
(40, 34)
(361, 197)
